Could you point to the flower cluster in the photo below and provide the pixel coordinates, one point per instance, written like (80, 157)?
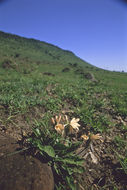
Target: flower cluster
(59, 127)
(91, 137)
(61, 123)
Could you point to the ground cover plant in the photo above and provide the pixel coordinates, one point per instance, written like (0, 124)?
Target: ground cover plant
(58, 152)
(39, 81)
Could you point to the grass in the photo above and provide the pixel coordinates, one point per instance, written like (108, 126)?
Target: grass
(39, 80)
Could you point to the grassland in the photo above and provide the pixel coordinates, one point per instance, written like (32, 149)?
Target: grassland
(39, 80)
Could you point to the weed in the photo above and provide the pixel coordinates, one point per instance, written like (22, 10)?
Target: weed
(59, 153)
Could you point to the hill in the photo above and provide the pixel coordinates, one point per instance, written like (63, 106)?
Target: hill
(39, 81)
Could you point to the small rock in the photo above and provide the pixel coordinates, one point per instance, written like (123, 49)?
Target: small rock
(19, 172)
(66, 69)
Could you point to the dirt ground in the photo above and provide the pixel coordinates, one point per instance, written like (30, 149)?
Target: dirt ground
(102, 168)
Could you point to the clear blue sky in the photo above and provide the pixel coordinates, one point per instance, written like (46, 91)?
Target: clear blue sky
(95, 30)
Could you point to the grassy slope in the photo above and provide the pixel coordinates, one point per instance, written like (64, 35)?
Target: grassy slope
(34, 86)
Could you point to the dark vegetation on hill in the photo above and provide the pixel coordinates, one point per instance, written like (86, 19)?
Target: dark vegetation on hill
(39, 80)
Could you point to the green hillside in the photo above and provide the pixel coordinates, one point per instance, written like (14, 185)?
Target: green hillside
(39, 81)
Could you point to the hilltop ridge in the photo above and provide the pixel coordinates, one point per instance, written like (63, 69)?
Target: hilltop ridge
(52, 52)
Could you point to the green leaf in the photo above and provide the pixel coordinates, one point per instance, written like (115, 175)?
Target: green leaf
(60, 146)
(30, 139)
(49, 150)
(73, 147)
(78, 170)
(124, 164)
(56, 168)
(37, 132)
(70, 170)
(70, 182)
(40, 146)
(72, 160)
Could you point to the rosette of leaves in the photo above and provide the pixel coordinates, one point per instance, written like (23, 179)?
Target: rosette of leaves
(60, 155)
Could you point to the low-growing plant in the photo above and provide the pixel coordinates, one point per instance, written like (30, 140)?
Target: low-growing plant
(59, 153)
(56, 146)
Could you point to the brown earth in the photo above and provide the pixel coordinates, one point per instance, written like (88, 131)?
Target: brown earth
(102, 168)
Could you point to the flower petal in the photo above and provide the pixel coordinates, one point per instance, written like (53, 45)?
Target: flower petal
(85, 137)
(59, 128)
(95, 137)
(53, 121)
(74, 123)
(56, 118)
(59, 118)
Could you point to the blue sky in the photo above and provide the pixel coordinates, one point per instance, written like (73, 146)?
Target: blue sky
(95, 30)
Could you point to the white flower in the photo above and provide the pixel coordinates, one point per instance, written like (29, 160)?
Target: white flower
(74, 124)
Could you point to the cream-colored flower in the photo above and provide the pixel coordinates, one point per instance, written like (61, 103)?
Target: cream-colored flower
(53, 121)
(85, 137)
(56, 120)
(59, 128)
(95, 137)
(74, 124)
(91, 137)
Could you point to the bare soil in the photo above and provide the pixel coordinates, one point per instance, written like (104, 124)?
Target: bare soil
(102, 168)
